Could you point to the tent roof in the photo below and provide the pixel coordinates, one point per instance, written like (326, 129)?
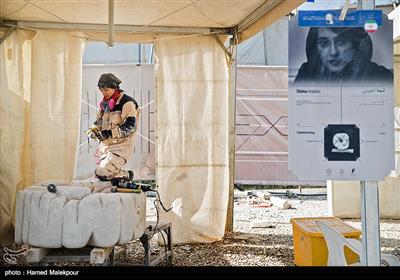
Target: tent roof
(148, 16)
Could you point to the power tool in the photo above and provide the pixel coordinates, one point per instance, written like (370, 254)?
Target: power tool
(123, 185)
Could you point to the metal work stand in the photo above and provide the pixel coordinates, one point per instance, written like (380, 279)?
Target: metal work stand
(106, 256)
(164, 254)
(95, 256)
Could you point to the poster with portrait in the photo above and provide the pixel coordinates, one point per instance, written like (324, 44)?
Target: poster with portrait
(341, 97)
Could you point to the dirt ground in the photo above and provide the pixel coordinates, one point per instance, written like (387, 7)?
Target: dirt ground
(269, 245)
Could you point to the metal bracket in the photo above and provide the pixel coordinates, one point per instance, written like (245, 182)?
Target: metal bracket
(8, 33)
(226, 31)
(227, 52)
(345, 8)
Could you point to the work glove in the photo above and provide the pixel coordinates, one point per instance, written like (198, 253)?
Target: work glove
(104, 135)
(95, 133)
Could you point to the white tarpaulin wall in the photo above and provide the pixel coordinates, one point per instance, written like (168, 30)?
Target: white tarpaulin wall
(15, 98)
(192, 137)
(138, 82)
(40, 105)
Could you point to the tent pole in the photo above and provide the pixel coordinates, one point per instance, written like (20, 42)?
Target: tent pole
(231, 123)
(140, 53)
(139, 29)
(110, 23)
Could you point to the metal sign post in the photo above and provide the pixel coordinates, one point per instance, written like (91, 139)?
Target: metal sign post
(371, 245)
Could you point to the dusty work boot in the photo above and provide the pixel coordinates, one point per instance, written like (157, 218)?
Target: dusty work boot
(128, 177)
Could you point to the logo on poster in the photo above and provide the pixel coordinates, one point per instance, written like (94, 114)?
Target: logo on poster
(329, 18)
(371, 26)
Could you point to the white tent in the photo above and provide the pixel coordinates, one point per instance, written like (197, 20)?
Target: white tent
(40, 87)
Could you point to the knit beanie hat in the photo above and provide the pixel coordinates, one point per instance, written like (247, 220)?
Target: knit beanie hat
(108, 80)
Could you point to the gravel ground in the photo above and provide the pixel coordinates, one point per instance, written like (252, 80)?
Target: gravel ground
(271, 245)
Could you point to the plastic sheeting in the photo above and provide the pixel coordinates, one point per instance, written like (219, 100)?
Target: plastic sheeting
(56, 92)
(40, 106)
(261, 143)
(396, 64)
(261, 126)
(192, 137)
(15, 98)
(268, 47)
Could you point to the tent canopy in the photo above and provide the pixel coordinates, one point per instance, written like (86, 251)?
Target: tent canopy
(246, 17)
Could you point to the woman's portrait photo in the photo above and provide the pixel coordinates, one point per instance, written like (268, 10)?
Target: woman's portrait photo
(336, 55)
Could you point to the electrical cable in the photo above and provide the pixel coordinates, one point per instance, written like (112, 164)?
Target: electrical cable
(8, 245)
(158, 199)
(153, 229)
(165, 247)
(157, 219)
(166, 210)
(148, 188)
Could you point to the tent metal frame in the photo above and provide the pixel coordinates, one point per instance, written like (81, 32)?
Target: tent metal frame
(260, 12)
(139, 29)
(8, 33)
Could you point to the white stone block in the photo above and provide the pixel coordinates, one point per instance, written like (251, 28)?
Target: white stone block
(78, 222)
(45, 218)
(279, 202)
(73, 217)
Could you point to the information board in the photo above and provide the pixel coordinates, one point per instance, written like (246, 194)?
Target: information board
(341, 119)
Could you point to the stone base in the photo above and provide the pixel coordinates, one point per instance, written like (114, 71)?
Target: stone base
(79, 214)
